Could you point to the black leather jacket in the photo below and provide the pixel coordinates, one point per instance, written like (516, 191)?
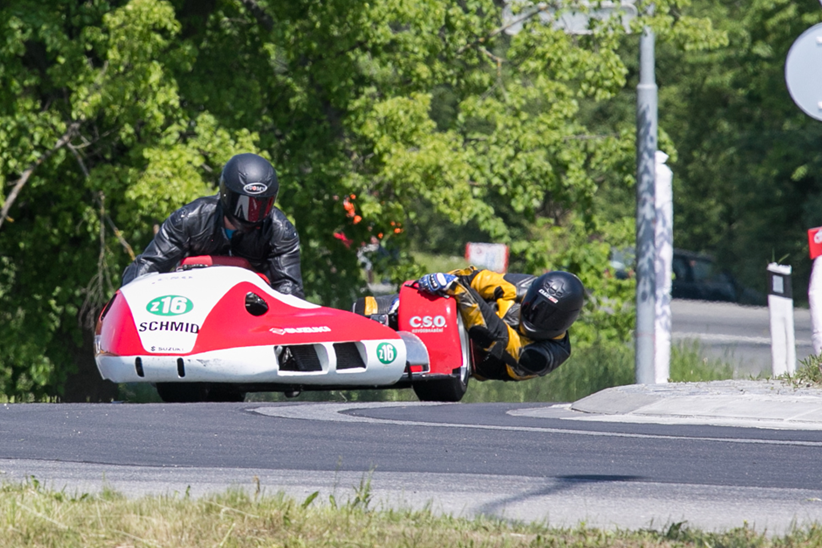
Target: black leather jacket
(197, 229)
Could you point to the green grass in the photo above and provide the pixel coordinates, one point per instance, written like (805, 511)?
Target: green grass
(808, 374)
(33, 516)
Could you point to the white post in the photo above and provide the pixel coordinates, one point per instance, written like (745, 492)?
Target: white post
(815, 302)
(780, 305)
(664, 237)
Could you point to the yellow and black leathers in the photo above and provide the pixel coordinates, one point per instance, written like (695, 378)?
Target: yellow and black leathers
(489, 304)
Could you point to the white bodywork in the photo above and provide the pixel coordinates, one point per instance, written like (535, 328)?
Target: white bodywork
(168, 350)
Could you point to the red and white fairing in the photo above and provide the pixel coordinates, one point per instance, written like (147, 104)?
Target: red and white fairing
(193, 326)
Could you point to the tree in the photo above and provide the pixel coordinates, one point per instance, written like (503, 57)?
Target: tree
(748, 177)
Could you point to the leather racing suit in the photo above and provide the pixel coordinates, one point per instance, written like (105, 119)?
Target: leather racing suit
(489, 304)
(197, 229)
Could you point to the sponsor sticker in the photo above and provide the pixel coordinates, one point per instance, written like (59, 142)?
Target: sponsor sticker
(170, 305)
(181, 327)
(548, 296)
(427, 324)
(255, 188)
(166, 349)
(291, 330)
(386, 353)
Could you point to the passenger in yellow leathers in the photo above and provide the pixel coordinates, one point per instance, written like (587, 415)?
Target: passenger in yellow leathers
(517, 322)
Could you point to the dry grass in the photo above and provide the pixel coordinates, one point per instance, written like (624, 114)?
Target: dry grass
(33, 516)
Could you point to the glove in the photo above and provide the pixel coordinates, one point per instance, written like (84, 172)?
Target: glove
(436, 283)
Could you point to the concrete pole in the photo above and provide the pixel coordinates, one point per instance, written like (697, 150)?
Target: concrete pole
(664, 232)
(645, 210)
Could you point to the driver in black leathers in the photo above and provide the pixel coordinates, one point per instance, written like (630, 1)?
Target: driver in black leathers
(241, 221)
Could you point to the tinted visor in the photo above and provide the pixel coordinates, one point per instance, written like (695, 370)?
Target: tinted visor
(248, 209)
(540, 318)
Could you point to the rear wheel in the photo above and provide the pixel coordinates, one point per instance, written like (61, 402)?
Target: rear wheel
(451, 389)
(179, 392)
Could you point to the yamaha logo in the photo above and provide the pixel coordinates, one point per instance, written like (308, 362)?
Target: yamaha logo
(255, 188)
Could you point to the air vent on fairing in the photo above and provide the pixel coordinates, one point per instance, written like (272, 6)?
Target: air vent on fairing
(348, 357)
(299, 357)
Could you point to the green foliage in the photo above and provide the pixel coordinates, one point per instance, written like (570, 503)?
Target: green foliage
(808, 374)
(126, 110)
(689, 364)
(748, 173)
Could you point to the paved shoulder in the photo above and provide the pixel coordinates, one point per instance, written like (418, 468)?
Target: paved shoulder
(763, 404)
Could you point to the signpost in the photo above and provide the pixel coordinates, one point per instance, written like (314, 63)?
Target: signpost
(803, 72)
(803, 76)
(490, 256)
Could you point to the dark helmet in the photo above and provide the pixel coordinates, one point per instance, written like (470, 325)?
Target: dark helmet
(248, 188)
(551, 304)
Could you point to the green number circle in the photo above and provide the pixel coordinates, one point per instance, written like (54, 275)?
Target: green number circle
(386, 353)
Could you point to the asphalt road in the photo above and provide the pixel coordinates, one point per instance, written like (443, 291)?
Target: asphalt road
(739, 335)
(460, 459)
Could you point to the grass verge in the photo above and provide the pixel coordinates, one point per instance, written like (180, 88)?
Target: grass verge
(32, 516)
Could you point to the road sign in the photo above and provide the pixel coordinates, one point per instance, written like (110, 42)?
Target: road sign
(568, 20)
(803, 72)
(484, 255)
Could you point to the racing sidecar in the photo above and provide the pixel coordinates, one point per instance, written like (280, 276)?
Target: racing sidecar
(214, 330)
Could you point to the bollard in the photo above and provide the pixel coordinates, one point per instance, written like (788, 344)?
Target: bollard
(780, 306)
(664, 241)
(815, 288)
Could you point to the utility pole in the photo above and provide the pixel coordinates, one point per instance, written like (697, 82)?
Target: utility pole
(646, 136)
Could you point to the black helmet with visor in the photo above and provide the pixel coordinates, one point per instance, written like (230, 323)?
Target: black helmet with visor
(551, 304)
(248, 189)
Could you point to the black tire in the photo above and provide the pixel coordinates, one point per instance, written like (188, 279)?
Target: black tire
(225, 393)
(183, 392)
(451, 389)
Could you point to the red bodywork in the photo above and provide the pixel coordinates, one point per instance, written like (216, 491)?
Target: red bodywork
(434, 320)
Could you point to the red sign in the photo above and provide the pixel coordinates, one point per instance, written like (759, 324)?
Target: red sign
(815, 241)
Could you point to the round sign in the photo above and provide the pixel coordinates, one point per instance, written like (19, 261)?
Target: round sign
(803, 72)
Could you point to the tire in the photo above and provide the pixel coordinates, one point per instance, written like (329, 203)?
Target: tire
(180, 392)
(451, 389)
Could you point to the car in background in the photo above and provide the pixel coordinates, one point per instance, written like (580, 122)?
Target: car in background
(695, 276)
